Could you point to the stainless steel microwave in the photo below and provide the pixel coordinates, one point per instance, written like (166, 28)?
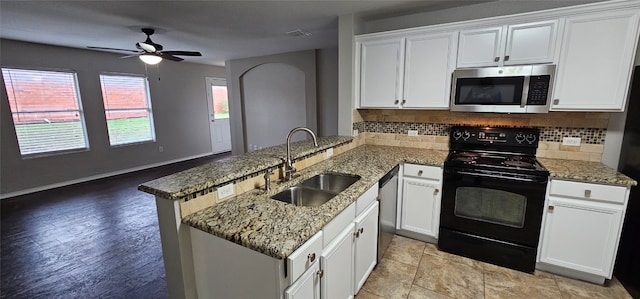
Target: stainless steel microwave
(509, 89)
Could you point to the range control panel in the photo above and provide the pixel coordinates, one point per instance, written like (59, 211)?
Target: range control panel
(526, 137)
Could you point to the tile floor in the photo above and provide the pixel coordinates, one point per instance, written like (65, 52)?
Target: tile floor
(414, 269)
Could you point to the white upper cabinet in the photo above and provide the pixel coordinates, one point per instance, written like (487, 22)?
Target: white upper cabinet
(429, 62)
(596, 61)
(381, 62)
(528, 43)
(407, 71)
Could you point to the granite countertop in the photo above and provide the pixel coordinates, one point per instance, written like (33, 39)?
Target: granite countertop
(275, 228)
(182, 184)
(583, 171)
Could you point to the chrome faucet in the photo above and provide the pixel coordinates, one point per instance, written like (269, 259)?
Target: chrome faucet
(289, 169)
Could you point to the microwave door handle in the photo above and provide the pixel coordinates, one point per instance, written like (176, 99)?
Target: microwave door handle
(525, 92)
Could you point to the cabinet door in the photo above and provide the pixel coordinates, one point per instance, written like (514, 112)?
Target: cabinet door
(336, 262)
(430, 59)
(480, 47)
(366, 246)
(381, 64)
(595, 61)
(581, 235)
(307, 286)
(531, 43)
(420, 207)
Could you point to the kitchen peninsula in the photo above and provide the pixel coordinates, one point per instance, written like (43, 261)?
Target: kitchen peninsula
(253, 220)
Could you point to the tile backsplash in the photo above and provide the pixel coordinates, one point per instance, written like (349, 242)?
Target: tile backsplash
(389, 127)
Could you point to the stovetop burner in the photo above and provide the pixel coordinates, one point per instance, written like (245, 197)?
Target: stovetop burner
(507, 150)
(493, 160)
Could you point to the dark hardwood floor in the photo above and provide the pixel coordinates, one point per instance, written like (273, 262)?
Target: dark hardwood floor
(98, 239)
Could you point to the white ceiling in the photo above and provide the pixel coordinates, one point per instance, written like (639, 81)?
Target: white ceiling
(221, 30)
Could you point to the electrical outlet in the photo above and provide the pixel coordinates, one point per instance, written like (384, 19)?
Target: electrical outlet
(571, 141)
(412, 132)
(355, 133)
(330, 152)
(161, 148)
(225, 191)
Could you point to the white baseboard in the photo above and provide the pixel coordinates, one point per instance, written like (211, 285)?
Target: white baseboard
(98, 176)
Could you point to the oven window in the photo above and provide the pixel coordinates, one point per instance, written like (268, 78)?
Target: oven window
(490, 205)
(489, 91)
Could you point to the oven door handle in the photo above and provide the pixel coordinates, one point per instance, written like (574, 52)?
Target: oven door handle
(501, 177)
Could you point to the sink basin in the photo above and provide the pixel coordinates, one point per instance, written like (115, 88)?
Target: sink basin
(332, 182)
(316, 190)
(304, 196)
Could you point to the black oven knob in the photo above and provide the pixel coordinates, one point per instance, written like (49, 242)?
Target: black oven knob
(520, 138)
(531, 138)
(457, 134)
(466, 135)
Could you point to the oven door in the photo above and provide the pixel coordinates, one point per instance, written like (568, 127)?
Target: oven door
(493, 204)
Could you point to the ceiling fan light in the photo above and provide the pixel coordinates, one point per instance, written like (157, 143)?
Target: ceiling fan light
(150, 59)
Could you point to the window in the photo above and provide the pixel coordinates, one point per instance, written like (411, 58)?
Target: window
(128, 109)
(46, 110)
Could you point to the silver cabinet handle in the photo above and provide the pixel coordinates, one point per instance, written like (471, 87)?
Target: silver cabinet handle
(396, 102)
(551, 208)
(587, 193)
(320, 273)
(311, 257)
(556, 102)
(506, 58)
(496, 59)
(404, 101)
(436, 191)
(361, 230)
(419, 172)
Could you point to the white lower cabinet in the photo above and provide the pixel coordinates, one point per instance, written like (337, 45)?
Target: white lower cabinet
(332, 264)
(366, 245)
(421, 194)
(336, 262)
(307, 286)
(582, 228)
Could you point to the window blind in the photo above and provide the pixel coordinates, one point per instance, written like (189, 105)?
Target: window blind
(46, 110)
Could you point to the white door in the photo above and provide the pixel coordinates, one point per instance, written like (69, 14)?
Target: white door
(581, 235)
(337, 263)
(218, 103)
(531, 43)
(420, 207)
(307, 286)
(430, 59)
(596, 60)
(366, 246)
(480, 47)
(380, 73)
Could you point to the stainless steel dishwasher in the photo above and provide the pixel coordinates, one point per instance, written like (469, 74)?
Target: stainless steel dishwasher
(387, 195)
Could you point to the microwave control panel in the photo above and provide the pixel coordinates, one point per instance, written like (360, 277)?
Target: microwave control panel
(538, 90)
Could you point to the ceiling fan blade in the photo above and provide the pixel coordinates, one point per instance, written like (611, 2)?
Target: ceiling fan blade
(182, 53)
(115, 49)
(170, 57)
(133, 55)
(150, 48)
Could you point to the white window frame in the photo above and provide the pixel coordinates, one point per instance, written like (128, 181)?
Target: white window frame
(79, 111)
(148, 108)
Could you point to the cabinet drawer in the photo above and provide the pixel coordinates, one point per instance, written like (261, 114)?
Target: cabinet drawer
(304, 257)
(333, 228)
(365, 200)
(423, 171)
(615, 194)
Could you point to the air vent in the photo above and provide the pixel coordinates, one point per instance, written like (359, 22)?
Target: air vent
(299, 33)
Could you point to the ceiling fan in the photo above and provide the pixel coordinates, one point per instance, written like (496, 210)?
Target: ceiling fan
(150, 52)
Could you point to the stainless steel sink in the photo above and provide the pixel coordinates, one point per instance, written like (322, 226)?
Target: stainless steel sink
(332, 182)
(303, 196)
(316, 190)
